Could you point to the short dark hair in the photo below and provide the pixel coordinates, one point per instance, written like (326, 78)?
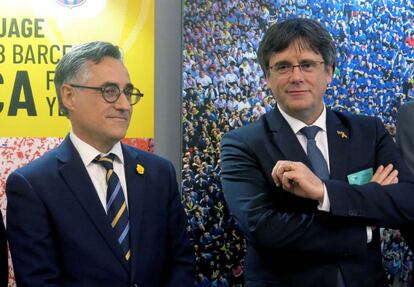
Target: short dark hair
(309, 32)
(73, 63)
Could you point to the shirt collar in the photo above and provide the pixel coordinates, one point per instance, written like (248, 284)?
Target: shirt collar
(88, 153)
(297, 125)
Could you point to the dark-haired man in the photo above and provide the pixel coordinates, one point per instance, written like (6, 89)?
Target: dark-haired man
(308, 186)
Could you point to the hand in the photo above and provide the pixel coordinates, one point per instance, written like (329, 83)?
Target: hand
(298, 179)
(385, 175)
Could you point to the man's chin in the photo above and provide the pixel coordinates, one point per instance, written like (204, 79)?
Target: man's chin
(117, 136)
(298, 107)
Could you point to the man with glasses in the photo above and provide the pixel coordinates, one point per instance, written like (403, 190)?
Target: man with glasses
(94, 211)
(310, 187)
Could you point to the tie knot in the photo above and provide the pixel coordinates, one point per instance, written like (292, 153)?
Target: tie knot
(310, 132)
(106, 161)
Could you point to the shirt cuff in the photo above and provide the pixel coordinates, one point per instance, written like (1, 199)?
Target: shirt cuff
(369, 234)
(325, 205)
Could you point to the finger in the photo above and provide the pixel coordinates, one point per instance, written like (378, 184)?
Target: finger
(377, 173)
(287, 182)
(395, 180)
(388, 174)
(385, 173)
(277, 172)
(274, 174)
(390, 178)
(282, 167)
(389, 168)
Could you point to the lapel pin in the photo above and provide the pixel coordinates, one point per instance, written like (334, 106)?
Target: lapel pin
(342, 134)
(140, 169)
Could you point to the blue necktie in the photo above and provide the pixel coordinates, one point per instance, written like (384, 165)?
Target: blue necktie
(319, 166)
(116, 205)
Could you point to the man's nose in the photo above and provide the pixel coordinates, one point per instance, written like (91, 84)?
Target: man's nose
(296, 74)
(123, 102)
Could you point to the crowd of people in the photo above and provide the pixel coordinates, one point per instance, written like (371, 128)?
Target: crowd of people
(224, 88)
(397, 257)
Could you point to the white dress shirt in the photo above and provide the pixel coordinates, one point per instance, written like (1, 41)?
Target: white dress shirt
(321, 139)
(96, 171)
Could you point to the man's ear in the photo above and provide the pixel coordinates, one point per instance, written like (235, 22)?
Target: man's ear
(266, 77)
(329, 74)
(67, 93)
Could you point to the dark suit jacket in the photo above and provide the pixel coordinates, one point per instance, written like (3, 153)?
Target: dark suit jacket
(290, 242)
(4, 270)
(405, 133)
(59, 233)
(405, 143)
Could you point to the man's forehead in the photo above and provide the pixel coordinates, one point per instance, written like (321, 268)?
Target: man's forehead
(292, 54)
(299, 45)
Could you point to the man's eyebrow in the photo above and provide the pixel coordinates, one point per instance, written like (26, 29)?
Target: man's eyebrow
(286, 62)
(108, 83)
(282, 62)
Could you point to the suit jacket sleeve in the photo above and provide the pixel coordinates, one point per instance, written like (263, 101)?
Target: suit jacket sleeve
(405, 133)
(405, 143)
(30, 235)
(376, 205)
(272, 218)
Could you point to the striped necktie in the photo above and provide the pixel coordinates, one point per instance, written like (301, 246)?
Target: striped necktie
(115, 204)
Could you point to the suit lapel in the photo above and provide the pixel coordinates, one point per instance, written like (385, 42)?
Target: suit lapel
(339, 146)
(79, 182)
(284, 139)
(288, 144)
(136, 186)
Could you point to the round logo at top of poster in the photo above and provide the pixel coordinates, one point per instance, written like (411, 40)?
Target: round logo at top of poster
(70, 3)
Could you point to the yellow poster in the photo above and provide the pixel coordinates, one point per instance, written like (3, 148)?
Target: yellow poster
(35, 34)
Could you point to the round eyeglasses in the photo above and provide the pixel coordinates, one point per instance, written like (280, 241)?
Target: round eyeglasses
(111, 92)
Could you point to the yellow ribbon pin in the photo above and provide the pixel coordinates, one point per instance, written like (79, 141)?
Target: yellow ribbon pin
(140, 169)
(342, 134)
